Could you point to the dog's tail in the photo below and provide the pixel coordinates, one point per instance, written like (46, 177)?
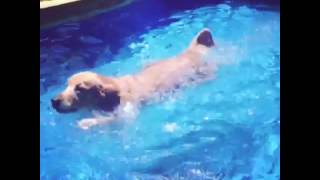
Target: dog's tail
(203, 38)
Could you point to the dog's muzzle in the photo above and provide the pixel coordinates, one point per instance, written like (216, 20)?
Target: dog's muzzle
(56, 104)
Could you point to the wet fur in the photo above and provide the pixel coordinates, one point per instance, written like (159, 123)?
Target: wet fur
(115, 94)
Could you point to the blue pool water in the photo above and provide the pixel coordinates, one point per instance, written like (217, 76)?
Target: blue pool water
(228, 128)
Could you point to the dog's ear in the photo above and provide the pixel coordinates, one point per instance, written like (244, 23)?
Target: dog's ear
(81, 87)
(110, 98)
(102, 90)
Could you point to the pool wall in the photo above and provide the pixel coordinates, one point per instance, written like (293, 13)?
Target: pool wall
(77, 10)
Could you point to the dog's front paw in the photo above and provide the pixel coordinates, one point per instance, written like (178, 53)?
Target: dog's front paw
(85, 124)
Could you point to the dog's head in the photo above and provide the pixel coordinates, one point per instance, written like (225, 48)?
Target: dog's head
(87, 89)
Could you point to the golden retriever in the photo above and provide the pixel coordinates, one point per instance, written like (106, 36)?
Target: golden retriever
(119, 94)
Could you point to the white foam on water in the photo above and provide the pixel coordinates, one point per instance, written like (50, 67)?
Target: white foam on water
(170, 127)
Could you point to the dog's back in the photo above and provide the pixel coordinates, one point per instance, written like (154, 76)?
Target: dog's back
(168, 74)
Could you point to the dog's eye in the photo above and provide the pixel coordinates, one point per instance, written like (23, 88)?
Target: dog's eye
(86, 83)
(78, 88)
(99, 86)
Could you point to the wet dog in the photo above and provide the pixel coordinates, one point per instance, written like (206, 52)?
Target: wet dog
(122, 95)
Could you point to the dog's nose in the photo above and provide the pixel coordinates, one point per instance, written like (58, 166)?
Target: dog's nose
(55, 103)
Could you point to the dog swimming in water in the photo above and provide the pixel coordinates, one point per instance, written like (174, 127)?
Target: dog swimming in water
(120, 95)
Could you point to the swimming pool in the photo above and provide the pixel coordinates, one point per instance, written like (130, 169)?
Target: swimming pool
(228, 128)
